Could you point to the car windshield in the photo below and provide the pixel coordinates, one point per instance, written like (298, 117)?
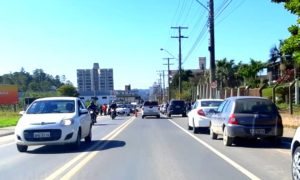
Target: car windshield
(210, 103)
(52, 106)
(260, 106)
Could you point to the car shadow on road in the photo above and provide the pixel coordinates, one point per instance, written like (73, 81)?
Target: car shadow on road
(107, 124)
(153, 117)
(259, 143)
(96, 145)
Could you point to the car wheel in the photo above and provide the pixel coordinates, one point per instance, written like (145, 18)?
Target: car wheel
(295, 164)
(22, 148)
(226, 139)
(212, 134)
(143, 117)
(169, 115)
(195, 129)
(158, 116)
(189, 127)
(76, 144)
(183, 115)
(89, 137)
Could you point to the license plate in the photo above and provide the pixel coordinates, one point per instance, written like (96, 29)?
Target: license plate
(257, 131)
(41, 134)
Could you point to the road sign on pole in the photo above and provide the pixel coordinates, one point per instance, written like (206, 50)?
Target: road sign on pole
(214, 85)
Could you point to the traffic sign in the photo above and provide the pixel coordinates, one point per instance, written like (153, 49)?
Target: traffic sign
(214, 85)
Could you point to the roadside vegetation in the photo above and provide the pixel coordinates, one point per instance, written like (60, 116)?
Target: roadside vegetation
(8, 118)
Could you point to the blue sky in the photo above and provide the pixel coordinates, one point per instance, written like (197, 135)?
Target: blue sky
(60, 36)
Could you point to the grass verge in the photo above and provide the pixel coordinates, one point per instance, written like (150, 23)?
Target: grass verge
(8, 118)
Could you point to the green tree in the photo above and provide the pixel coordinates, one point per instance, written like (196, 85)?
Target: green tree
(249, 72)
(291, 46)
(68, 90)
(225, 73)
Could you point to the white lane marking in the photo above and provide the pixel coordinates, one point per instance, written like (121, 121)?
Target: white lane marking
(83, 154)
(7, 144)
(82, 163)
(227, 159)
(6, 140)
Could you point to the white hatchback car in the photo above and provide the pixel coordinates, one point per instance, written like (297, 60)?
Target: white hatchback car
(295, 149)
(197, 116)
(52, 121)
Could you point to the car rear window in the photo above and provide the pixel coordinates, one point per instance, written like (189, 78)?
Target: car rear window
(151, 103)
(178, 103)
(210, 103)
(260, 106)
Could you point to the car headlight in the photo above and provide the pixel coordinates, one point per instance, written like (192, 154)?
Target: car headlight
(66, 122)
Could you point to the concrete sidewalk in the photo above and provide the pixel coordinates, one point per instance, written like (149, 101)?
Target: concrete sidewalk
(7, 131)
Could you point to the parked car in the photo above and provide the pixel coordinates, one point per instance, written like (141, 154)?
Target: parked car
(295, 149)
(246, 117)
(150, 108)
(176, 107)
(197, 117)
(52, 121)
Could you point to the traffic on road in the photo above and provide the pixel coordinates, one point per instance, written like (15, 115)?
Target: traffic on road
(131, 147)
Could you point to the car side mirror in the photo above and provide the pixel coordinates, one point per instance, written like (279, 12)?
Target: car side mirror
(83, 111)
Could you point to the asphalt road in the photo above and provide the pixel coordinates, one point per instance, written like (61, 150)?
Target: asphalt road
(135, 148)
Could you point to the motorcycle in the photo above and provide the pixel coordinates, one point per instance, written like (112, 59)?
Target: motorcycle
(113, 114)
(93, 116)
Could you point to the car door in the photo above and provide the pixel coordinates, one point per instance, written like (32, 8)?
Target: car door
(226, 112)
(218, 117)
(85, 119)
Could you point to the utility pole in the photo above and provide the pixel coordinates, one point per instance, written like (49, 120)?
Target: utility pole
(161, 91)
(169, 92)
(179, 56)
(164, 87)
(212, 47)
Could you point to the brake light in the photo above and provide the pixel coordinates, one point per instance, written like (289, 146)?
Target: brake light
(201, 112)
(232, 119)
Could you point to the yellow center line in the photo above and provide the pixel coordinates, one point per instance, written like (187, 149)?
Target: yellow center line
(112, 134)
(81, 164)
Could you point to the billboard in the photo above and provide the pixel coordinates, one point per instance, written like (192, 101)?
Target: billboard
(8, 94)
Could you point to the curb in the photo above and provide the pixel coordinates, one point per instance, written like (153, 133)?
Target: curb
(6, 134)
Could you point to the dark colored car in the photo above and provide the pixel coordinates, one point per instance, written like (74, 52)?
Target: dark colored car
(246, 117)
(176, 107)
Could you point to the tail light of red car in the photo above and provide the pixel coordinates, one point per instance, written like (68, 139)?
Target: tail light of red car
(232, 119)
(201, 112)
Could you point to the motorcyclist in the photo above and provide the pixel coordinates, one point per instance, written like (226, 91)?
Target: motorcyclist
(113, 108)
(93, 107)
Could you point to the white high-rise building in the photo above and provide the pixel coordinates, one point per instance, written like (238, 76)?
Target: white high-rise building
(95, 81)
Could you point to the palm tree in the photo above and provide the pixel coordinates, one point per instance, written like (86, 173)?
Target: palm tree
(225, 73)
